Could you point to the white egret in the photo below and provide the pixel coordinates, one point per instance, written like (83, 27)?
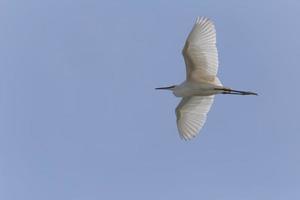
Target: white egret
(201, 84)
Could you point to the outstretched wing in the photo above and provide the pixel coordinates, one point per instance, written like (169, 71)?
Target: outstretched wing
(200, 51)
(191, 115)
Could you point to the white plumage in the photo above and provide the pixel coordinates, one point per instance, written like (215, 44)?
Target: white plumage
(201, 60)
(200, 51)
(191, 114)
(201, 84)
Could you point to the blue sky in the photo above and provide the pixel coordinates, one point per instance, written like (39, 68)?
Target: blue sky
(80, 119)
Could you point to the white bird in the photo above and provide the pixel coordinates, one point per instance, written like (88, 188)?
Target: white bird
(201, 84)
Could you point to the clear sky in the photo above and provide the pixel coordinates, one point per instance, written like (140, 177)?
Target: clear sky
(80, 119)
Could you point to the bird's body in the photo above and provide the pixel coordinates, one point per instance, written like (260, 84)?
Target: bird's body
(201, 84)
(201, 88)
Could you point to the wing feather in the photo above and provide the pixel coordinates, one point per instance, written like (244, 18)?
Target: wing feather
(200, 52)
(191, 115)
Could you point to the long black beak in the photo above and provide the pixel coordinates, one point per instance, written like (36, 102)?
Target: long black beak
(165, 88)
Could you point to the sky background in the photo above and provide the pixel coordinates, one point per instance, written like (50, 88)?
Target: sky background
(80, 119)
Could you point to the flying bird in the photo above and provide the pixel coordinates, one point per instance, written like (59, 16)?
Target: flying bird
(201, 84)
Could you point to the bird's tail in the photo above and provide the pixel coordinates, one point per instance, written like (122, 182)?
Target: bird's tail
(236, 92)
